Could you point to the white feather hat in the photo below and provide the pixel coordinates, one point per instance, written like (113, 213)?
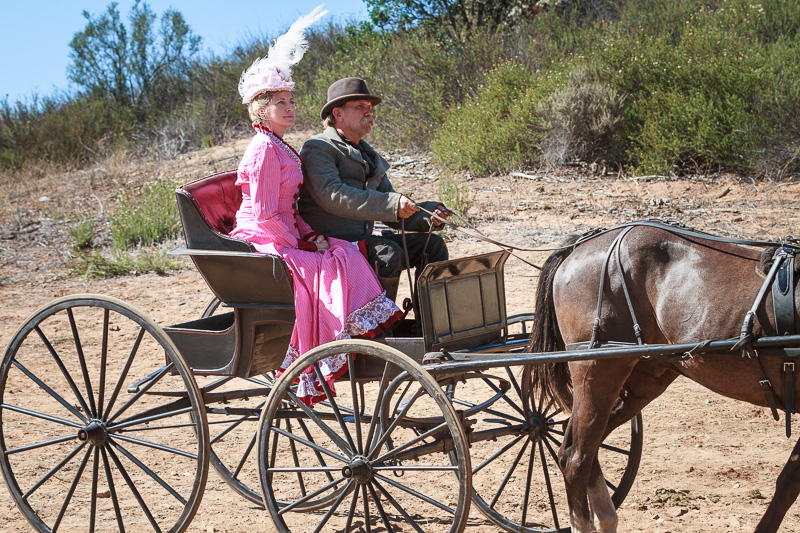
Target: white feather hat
(274, 72)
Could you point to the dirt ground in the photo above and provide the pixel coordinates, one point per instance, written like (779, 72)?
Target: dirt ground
(709, 463)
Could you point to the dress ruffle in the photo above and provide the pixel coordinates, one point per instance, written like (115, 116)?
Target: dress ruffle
(368, 321)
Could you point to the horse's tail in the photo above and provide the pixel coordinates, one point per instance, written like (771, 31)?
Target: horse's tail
(551, 380)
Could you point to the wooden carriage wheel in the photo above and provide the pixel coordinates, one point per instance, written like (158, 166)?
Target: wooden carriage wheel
(361, 445)
(517, 483)
(101, 422)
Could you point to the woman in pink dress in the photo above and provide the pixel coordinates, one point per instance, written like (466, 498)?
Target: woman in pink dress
(336, 294)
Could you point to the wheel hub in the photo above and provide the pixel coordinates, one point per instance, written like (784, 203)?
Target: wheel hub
(358, 469)
(94, 432)
(537, 426)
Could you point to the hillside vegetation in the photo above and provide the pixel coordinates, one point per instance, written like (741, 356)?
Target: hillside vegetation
(642, 86)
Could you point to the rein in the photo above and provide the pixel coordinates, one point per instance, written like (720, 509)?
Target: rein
(668, 225)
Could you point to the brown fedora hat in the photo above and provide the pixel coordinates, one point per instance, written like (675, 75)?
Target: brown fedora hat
(345, 90)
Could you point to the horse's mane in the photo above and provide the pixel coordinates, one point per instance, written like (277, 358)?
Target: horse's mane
(767, 258)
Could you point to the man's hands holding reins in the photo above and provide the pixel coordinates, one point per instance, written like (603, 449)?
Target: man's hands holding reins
(407, 207)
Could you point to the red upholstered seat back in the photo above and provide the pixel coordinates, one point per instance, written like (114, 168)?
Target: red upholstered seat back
(217, 197)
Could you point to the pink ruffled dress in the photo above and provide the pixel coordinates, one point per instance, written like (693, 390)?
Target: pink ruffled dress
(336, 294)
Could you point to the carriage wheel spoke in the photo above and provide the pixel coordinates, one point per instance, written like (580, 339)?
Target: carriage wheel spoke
(320, 458)
(497, 454)
(367, 521)
(335, 406)
(547, 482)
(378, 398)
(553, 451)
(393, 452)
(93, 505)
(67, 377)
(381, 511)
(511, 469)
(505, 397)
(144, 468)
(352, 511)
(295, 458)
(139, 420)
(311, 495)
(112, 489)
(615, 449)
(42, 444)
(245, 455)
(124, 373)
(320, 423)
(528, 478)
(151, 381)
(133, 489)
(87, 382)
(101, 386)
(56, 396)
(307, 443)
(397, 419)
(513, 379)
(153, 445)
(71, 491)
(333, 508)
(236, 423)
(415, 493)
(356, 409)
(397, 506)
(53, 470)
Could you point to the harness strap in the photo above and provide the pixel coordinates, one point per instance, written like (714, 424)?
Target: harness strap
(783, 293)
(598, 314)
(766, 386)
(789, 377)
(637, 329)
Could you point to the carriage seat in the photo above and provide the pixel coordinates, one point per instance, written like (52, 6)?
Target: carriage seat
(208, 212)
(235, 272)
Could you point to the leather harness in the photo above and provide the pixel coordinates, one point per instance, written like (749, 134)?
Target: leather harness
(779, 281)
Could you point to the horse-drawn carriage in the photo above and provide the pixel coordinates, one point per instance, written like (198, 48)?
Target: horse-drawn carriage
(448, 412)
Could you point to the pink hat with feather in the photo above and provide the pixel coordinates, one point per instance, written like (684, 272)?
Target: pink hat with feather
(274, 72)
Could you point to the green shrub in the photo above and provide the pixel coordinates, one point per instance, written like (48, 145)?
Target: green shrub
(454, 193)
(501, 128)
(81, 231)
(700, 95)
(146, 216)
(93, 264)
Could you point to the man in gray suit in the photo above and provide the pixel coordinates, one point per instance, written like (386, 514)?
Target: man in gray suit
(346, 189)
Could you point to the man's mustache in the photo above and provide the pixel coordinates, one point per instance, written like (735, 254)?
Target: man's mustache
(367, 120)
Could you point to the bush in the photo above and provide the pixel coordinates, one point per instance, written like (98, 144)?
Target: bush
(93, 264)
(454, 193)
(60, 129)
(500, 129)
(700, 94)
(146, 216)
(583, 118)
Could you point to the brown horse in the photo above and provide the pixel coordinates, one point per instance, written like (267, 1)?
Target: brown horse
(682, 288)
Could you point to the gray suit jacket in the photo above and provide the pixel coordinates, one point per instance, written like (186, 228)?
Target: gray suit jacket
(341, 197)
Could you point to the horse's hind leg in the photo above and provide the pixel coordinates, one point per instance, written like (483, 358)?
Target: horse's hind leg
(603, 512)
(787, 489)
(596, 388)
